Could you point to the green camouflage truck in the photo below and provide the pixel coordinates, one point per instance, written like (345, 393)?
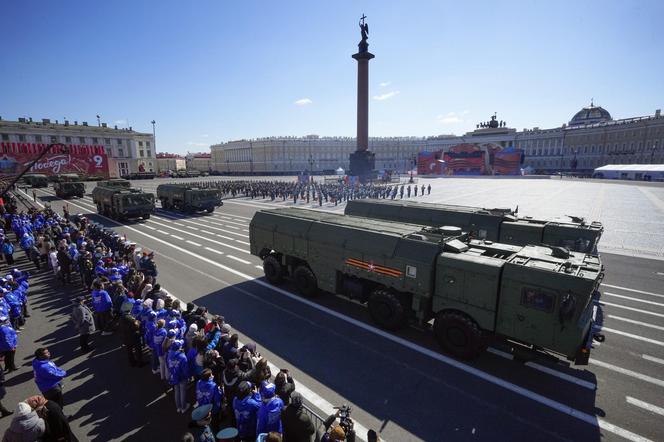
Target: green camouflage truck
(36, 180)
(122, 203)
(502, 225)
(68, 189)
(533, 300)
(115, 183)
(188, 198)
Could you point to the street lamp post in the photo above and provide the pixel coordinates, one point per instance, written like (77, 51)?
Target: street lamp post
(154, 137)
(98, 121)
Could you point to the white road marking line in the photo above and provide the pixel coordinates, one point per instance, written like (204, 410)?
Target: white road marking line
(193, 228)
(633, 336)
(205, 239)
(645, 405)
(238, 259)
(193, 243)
(259, 267)
(215, 228)
(244, 230)
(633, 299)
(547, 370)
(178, 237)
(224, 237)
(228, 220)
(660, 315)
(627, 372)
(206, 232)
(179, 224)
(660, 273)
(521, 391)
(633, 290)
(215, 251)
(242, 242)
(163, 233)
(631, 321)
(231, 227)
(653, 359)
(149, 227)
(36, 201)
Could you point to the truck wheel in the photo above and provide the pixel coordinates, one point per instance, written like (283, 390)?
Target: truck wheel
(305, 281)
(386, 310)
(458, 335)
(146, 216)
(210, 210)
(274, 273)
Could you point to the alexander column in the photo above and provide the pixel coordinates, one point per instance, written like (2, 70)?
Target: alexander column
(362, 162)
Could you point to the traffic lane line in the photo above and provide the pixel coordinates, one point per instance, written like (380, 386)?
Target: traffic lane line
(632, 309)
(653, 359)
(633, 336)
(645, 405)
(555, 405)
(567, 410)
(36, 201)
(644, 301)
(632, 321)
(193, 243)
(235, 258)
(201, 237)
(643, 292)
(206, 231)
(630, 373)
(206, 226)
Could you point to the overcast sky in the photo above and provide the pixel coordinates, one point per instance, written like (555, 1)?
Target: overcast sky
(212, 71)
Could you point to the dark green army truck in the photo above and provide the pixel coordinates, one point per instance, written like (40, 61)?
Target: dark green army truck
(122, 203)
(502, 225)
(188, 198)
(115, 183)
(68, 189)
(36, 180)
(533, 300)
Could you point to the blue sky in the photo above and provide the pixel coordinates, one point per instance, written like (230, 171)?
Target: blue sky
(211, 71)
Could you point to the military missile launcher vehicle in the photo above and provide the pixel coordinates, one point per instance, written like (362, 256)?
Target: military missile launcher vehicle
(68, 187)
(122, 203)
(501, 225)
(188, 198)
(536, 299)
(115, 183)
(36, 180)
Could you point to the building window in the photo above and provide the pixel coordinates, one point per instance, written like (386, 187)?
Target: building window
(148, 152)
(54, 139)
(120, 152)
(94, 141)
(21, 137)
(140, 144)
(5, 137)
(81, 140)
(38, 138)
(141, 153)
(147, 144)
(107, 141)
(119, 141)
(67, 139)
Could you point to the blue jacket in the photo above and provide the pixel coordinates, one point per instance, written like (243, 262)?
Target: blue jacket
(245, 415)
(157, 339)
(8, 338)
(177, 367)
(208, 392)
(7, 248)
(213, 337)
(15, 305)
(101, 301)
(150, 328)
(4, 307)
(269, 416)
(47, 374)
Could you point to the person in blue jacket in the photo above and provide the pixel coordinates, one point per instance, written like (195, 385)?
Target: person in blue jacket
(179, 374)
(149, 327)
(245, 407)
(8, 343)
(102, 305)
(157, 340)
(269, 413)
(213, 336)
(48, 376)
(4, 305)
(208, 392)
(13, 299)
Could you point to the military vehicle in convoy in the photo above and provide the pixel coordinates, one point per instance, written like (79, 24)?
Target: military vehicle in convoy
(501, 225)
(69, 186)
(123, 203)
(537, 299)
(115, 183)
(36, 180)
(188, 198)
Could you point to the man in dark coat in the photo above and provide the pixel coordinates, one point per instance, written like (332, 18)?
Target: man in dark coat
(297, 424)
(84, 322)
(130, 330)
(64, 261)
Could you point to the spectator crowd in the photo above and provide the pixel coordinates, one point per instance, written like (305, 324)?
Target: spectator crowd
(194, 354)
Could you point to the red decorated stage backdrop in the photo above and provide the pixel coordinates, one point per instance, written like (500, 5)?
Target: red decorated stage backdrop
(83, 159)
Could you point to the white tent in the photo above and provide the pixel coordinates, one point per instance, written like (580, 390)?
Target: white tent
(638, 172)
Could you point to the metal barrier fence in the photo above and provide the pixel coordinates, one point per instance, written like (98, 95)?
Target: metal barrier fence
(317, 420)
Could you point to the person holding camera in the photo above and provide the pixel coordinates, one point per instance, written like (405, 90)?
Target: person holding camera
(343, 431)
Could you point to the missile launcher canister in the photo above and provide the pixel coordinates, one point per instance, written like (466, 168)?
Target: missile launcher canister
(122, 203)
(540, 299)
(115, 183)
(188, 198)
(68, 189)
(503, 225)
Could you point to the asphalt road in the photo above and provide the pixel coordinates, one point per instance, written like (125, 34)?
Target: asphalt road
(400, 383)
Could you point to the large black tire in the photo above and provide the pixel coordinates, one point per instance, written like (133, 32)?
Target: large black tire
(210, 209)
(146, 216)
(458, 335)
(305, 281)
(273, 270)
(386, 310)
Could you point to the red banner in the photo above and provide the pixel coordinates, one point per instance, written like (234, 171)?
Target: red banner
(465, 159)
(83, 159)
